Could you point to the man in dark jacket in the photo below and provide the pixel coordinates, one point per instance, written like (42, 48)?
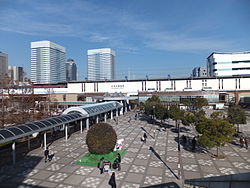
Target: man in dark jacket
(112, 182)
(46, 154)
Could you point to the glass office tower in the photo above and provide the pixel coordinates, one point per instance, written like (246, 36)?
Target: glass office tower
(47, 62)
(71, 70)
(101, 64)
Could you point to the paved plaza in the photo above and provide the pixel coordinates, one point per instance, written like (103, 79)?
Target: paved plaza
(140, 167)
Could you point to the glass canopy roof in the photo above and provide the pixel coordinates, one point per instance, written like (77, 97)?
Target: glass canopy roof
(94, 109)
(19, 131)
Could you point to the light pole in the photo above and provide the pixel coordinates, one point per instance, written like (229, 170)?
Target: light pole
(154, 114)
(179, 151)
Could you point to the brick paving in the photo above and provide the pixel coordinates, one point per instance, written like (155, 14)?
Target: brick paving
(140, 167)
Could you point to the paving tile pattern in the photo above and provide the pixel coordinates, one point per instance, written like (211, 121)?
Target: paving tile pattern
(139, 167)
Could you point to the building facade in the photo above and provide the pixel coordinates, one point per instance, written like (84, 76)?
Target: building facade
(228, 64)
(101, 64)
(47, 62)
(195, 72)
(71, 70)
(199, 72)
(15, 73)
(3, 64)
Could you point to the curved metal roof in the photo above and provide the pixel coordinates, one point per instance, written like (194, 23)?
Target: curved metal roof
(77, 103)
(71, 114)
(15, 132)
(94, 109)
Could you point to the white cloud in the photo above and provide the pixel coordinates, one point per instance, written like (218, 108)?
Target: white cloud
(95, 23)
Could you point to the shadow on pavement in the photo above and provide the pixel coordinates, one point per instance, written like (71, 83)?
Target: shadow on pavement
(189, 147)
(14, 176)
(154, 122)
(159, 157)
(164, 185)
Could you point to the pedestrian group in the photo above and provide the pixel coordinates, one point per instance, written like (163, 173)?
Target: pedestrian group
(105, 166)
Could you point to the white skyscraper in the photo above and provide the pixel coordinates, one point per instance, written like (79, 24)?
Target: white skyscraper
(47, 62)
(101, 64)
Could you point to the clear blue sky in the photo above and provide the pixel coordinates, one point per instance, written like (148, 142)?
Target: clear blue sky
(150, 37)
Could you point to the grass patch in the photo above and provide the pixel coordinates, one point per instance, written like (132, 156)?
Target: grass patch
(92, 159)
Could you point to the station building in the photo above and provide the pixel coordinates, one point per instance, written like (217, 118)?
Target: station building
(215, 89)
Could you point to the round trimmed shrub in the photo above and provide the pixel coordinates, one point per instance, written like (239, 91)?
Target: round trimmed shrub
(101, 138)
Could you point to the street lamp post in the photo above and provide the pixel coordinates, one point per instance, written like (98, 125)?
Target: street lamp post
(154, 114)
(179, 151)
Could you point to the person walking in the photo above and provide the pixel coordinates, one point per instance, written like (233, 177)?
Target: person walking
(119, 157)
(154, 132)
(246, 142)
(129, 119)
(46, 154)
(194, 143)
(100, 165)
(119, 161)
(145, 137)
(242, 141)
(184, 139)
(112, 181)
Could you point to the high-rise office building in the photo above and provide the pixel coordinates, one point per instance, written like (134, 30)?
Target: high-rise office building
(3, 64)
(71, 70)
(47, 62)
(101, 64)
(15, 73)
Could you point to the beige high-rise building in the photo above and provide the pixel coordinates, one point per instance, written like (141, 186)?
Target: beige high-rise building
(3, 64)
(15, 73)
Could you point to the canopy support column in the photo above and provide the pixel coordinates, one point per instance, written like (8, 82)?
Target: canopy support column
(111, 114)
(105, 117)
(121, 111)
(97, 119)
(128, 105)
(14, 152)
(29, 143)
(125, 107)
(87, 123)
(81, 125)
(44, 142)
(117, 112)
(66, 132)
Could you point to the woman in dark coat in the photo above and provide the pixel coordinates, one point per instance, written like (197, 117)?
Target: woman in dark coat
(112, 182)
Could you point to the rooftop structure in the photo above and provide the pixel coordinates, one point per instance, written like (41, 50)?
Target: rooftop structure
(228, 64)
